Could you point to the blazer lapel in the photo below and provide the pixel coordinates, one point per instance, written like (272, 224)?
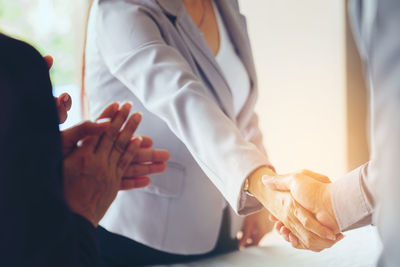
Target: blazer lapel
(205, 60)
(236, 25)
(237, 29)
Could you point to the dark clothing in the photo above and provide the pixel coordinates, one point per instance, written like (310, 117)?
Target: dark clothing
(119, 251)
(36, 226)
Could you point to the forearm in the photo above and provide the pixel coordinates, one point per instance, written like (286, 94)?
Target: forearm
(256, 187)
(214, 141)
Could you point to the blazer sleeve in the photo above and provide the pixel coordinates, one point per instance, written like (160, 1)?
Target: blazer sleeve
(36, 226)
(255, 134)
(133, 49)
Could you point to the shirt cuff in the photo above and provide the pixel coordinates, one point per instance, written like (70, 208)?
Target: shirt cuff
(349, 200)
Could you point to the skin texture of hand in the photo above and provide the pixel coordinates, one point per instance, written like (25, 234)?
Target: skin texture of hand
(301, 222)
(255, 227)
(145, 162)
(64, 104)
(93, 171)
(311, 191)
(70, 137)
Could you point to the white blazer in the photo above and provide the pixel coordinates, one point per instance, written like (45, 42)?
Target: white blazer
(151, 53)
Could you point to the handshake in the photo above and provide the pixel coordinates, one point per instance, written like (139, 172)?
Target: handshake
(300, 205)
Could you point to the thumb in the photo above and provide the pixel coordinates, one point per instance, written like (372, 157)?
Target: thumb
(49, 60)
(87, 128)
(317, 176)
(277, 183)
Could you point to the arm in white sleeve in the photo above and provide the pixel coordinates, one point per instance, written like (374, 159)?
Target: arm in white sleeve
(352, 199)
(133, 48)
(254, 132)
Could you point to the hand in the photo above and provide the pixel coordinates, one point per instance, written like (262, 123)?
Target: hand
(145, 162)
(312, 191)
(93, 171)
(301, 222)
(64, 101)
(70, 137)
(255, 227)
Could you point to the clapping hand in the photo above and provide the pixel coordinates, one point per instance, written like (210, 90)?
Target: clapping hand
(63, 102)
(103, 157)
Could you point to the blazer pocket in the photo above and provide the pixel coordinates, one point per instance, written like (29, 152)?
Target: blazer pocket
(169, 183)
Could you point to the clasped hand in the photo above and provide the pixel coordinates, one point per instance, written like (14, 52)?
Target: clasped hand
(301, 206)
(310, 191)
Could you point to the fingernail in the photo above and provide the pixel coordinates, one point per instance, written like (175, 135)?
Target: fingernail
(129, 104)
(137, 117)
(331, 237)
(103, 120)
(138, 139)
(66, 98)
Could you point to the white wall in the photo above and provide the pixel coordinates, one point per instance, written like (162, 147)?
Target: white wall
(299, 52)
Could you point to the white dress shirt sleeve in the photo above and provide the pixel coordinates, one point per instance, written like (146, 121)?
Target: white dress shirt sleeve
(136, 54)
(352, 199)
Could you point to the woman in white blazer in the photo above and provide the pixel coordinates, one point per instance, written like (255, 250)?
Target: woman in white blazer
(187, 66)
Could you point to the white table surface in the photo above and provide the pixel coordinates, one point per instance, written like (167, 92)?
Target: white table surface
(360, 247)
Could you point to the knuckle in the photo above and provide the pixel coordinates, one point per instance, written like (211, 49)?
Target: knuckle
(307, 242)
(112, 132)
(123, 163)
(132, 150)
(85, 126)
(307, 222)
(120, 145)
(135, 169)
(296, 212)
(85, 161)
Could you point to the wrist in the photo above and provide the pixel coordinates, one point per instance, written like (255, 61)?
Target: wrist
(328, 206)
(90, 217)
(86, 213)
(255, 184)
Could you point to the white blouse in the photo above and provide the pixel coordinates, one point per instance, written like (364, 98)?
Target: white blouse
(232, 67)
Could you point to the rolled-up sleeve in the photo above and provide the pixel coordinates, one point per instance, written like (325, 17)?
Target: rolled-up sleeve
(352, 200)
